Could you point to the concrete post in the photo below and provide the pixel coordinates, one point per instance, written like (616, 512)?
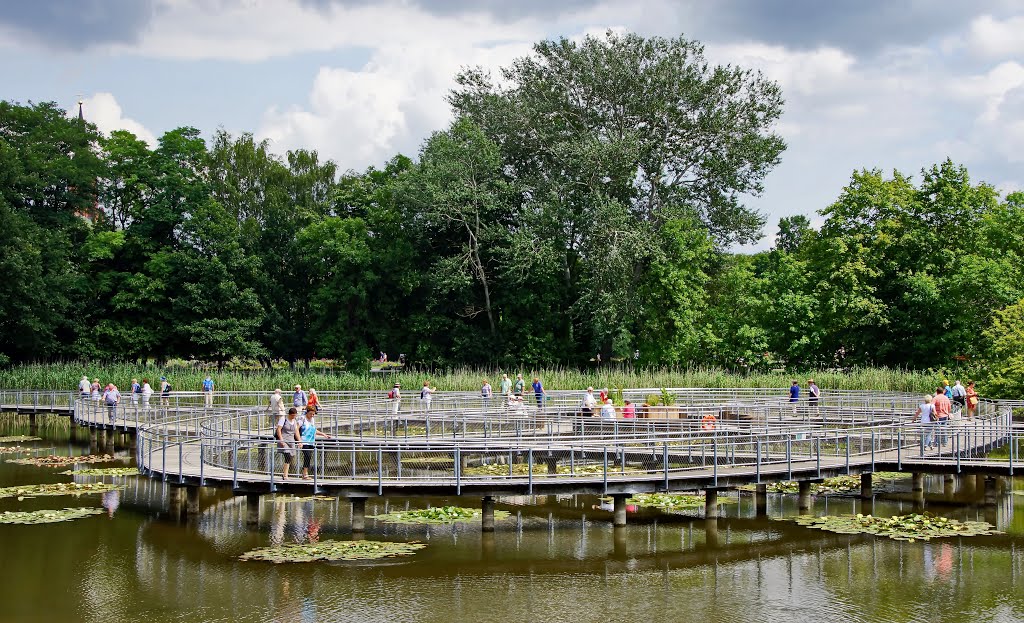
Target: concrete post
(176, 501)
(487, 514)
(761, 500)
(948, 490)
(979, 484)
(991, 490)
(865, 487)
(358, 514)
(487, 546)
(33, 425)
(917, 481)
(93, 441)
(619, 542)
(711, 504)
(804, 495)
(711, 532)
(619, 501)
(192, 501)
(252, 510)
(552, 466)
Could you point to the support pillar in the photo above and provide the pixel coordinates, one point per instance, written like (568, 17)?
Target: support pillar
(711, 504)
(192, 501)
(552, 466)
(619, 542)
(865, 487)
(94, 443)
(967, 487)
(358, 514)
(33, 425)
(917, 481)
(711, 532)
(487, 546)
(619, 501)
(948, 490)
(761, 500)
(991, 490)
(804, 495)
(252, 510)
(176, 501)
(487, 514)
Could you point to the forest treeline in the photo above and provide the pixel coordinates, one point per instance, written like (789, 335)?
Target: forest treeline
(584, 201)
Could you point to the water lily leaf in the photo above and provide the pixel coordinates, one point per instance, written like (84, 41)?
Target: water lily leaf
(63, 461)
(47, 516)
(103, 471)
(909, 528)
(60, 488)
(437, 515)
(333, 550)
(19, 438)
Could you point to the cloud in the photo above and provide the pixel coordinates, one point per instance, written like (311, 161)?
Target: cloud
(76, 24)
(103, 110)
(993, 38)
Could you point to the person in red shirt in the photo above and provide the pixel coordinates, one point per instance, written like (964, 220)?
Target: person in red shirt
(941, 405)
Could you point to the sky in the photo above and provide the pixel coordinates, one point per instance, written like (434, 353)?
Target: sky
(888, 84)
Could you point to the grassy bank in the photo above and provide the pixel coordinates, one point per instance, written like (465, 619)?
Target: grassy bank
(67, 375)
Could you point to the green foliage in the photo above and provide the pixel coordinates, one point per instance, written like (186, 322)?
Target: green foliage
(923, 527)
(47, 516)
(1006, 336)
(436, 515)
(332, 550)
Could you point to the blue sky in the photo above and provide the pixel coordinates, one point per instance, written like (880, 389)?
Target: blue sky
(888, 84)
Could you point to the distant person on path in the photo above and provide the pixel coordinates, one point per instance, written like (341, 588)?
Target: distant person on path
(287, 434)
(136, 391)
(299, 398)
(629, 411)
(589, 403)
(94, 390)
(111, 397)
(426, 395)
(597, 358)
(506, 385)
(926, 417)
(308, 434)
(486, 392)
(794, 395)
(276, 406)
(941, 406)
(946, 389)
(520, 385)
(958, 395)
(165, 391)
(603, 395)
(395, 398)
(972, 400)
(813, 393)
(538, 391)
(314, 401)
(147, 392)
(84, 387)
(608, 410)
(208, 391)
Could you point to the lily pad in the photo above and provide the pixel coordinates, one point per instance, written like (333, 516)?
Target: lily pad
(332, 550)
(541, 469)
(673, 501)
(64, 461)
(14, 450)
(47, 516)
(291, 499)
(436, 515)
(923, 526)
(839, 485)
(58, 488)
(19, 438)
(103, 471)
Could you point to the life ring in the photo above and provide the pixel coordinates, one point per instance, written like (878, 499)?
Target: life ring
(708, 421)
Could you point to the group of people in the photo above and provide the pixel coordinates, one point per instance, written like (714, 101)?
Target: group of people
(110, 395)
(813, 392)
(939, 409)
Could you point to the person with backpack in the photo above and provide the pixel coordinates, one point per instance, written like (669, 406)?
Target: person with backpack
(958, 395)
(287, 434)
(208, 392)
(940, 408)
(395, 398)
(926, 414)
(813, 393)
(165, 391)
(308, 434)
(426, 395)
(136, 391)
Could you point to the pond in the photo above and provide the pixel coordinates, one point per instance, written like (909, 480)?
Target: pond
(552, 558)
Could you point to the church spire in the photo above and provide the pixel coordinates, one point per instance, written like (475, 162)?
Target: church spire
(81, 117)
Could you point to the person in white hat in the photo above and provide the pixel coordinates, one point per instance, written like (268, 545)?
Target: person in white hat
(395, 398)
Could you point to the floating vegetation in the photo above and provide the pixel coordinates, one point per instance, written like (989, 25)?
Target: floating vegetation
(674, 501)
(47, 516)
(332, 550)
(64, 461)
(292, 499)
(19, 438)
(909, 528)
(103, 471)
(60, 488)
(540, 469)
(839, 485)
(14, 450)
(436, 515)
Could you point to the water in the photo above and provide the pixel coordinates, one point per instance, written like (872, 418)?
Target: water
(555, 559)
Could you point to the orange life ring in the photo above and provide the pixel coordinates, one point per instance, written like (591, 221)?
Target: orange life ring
(708, 421)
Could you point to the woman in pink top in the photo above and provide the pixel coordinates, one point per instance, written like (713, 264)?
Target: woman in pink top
(629, 411)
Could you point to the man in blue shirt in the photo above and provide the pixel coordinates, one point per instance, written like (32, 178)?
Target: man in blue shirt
(208, 391)
(299, 397)
(794, 394)
(538, 391)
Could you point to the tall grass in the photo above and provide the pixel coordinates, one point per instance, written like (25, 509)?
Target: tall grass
(66, 376)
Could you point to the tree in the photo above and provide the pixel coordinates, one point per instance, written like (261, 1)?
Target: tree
(1006, 352)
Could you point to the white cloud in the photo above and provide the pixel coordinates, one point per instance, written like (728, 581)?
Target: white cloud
(992, 38)
(103, 110)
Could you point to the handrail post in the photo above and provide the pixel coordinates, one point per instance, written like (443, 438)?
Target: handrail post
(817, 453)
(529, 462)
(758, 468)
(664, 460)
(789, 457)
(181, 472)
(847, 454)
(458, 471)
(715, 458)
(380, 470)
(605, 470)
(234, 464)
(202, 464)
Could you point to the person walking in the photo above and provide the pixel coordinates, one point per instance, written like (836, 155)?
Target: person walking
(941, 407)
(958, 395)
(629, 410)
(308, 433)
(506, 385)
(813, 393)
(287, 434)
(314, 400)
(426, 395)
(946, 389)
(395, 398)
(84, 387)
(589, 403)
(485, 393)
(538, 391)
(608, 410)
(299, 398)
(276, 406)
(94, 390)
(925, 415)
(147, 393)
(972, 400)
(136, 391)
(165, 391)
(111, 397)
(208, 392)
(520, 385)
(794, 395)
